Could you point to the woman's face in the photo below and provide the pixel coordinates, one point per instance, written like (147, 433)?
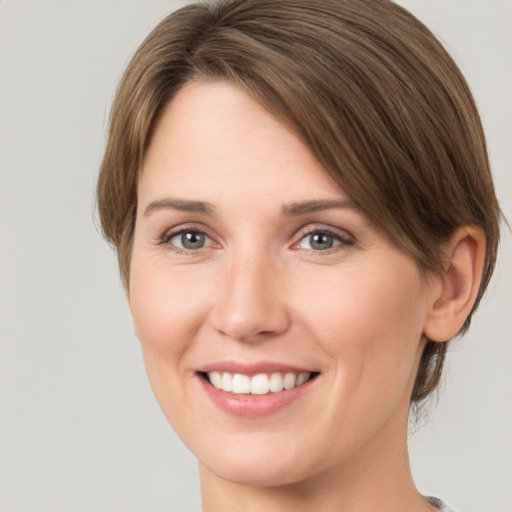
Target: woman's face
(251, 267)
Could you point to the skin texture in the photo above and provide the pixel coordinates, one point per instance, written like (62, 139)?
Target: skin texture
(258, 291)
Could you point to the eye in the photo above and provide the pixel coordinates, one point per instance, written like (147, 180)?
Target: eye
(188, 239)
(321, 240)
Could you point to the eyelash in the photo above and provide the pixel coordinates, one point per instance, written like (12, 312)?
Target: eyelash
(340, 240)
(169, 235)
(343, 241)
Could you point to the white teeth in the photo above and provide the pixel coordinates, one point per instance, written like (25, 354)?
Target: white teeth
(276, 382)
(301, 378)
(241, 383)
(216, 379)
(227, 382)
(259, 384)
(289, 380)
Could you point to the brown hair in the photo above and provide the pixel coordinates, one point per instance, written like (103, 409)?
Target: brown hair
(366, 85)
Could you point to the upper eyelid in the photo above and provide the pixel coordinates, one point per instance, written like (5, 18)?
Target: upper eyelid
(170, 233)
(339, 240)
(324, 228)
(344, 237)
(180, 228)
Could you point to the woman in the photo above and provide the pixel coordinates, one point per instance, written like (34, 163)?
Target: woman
(301, 201)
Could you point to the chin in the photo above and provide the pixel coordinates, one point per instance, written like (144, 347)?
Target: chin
(259, 462)
(268, 473)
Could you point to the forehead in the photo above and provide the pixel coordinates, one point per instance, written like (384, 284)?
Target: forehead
(212, 138)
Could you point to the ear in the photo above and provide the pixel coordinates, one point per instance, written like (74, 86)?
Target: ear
(454, 292)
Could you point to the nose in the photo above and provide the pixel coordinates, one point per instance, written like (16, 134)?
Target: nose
(250, 304)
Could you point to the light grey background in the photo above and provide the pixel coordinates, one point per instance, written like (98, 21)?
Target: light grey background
(80, 429)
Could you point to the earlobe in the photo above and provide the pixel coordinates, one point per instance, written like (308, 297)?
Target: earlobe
(456, 290)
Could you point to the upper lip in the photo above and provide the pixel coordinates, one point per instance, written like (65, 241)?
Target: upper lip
(251, 368)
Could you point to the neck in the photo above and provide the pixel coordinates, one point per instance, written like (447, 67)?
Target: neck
(376, 478)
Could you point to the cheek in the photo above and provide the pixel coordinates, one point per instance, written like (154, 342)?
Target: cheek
(363, 302)
(166, 306)
(168, 309)
(370, 323)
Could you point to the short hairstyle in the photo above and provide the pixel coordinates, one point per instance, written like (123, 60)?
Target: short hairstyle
(365, 85)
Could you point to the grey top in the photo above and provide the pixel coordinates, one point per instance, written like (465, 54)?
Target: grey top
(441, 505)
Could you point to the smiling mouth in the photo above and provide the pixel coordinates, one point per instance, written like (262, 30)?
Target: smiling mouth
(259, 384)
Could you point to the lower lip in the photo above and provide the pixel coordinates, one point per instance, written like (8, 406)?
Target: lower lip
(253, 405)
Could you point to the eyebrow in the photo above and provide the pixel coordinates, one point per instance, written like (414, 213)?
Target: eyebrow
(180, 204)
(289, 210)
(300, 208)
